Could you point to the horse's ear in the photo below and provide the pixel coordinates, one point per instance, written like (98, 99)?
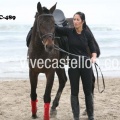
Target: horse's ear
(39, 8)
(53, 8)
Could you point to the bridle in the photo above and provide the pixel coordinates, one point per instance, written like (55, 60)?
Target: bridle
(52, 35)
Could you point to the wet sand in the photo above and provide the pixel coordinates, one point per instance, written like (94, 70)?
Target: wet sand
(15, 101)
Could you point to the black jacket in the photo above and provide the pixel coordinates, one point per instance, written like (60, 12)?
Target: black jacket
(78, 43)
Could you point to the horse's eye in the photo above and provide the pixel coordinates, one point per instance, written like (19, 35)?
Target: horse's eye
(50, 36)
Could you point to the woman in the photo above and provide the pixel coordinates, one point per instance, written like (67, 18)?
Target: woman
(79, 40)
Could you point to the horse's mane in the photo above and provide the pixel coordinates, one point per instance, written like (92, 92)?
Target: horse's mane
(34, 25)
(36, 14)
(45, 10)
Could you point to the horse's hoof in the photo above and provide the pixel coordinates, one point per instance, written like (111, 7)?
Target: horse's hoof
(84, 112)
(53, 112)
(34, 116)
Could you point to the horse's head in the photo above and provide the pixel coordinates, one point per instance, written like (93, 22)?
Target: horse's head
(46, 26)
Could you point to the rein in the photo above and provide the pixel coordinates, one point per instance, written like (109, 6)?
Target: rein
(95, 64)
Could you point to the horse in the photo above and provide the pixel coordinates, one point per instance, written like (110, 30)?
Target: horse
(41, 48)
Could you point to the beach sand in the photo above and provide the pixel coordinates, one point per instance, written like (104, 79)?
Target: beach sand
(15, 101)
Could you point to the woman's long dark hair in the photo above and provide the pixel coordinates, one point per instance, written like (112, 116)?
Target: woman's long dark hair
(82, 16)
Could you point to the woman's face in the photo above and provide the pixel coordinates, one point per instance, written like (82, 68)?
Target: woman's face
(77, 21)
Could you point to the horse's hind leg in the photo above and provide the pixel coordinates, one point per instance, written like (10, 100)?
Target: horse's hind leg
(62, 80)
(33, 83)
(47, 95)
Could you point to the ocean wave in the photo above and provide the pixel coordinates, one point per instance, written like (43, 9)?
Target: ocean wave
(108, 38)
(110, 57)
(105, 27)
(14, 27)
(24, 61)
(102, 45)
(109, 53)
(12, 60)
(17, 71)
(112, 71)
(10, 49)
(24, 27)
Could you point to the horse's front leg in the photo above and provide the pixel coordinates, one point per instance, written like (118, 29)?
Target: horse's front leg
(33, 82)
(62, 81)
(47, 95)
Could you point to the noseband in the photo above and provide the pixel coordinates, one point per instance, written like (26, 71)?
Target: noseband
(52, 35)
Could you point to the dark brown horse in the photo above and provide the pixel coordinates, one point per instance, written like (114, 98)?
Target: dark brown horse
(40, 49)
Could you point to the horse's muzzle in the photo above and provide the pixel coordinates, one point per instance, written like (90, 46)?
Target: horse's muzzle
(49, 48)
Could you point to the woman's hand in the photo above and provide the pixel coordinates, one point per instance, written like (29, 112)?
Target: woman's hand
(93, 59)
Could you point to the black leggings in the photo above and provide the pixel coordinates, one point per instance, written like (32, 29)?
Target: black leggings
(86, 77)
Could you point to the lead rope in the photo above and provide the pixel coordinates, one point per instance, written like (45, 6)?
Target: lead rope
(96, 65)
(60, 49)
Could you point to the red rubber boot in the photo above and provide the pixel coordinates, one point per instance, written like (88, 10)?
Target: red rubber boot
(46, 111)
(34, 108)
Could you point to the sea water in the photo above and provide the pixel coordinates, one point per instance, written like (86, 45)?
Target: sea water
(13, 50)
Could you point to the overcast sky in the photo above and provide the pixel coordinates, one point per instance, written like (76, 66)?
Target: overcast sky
(96, 11)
